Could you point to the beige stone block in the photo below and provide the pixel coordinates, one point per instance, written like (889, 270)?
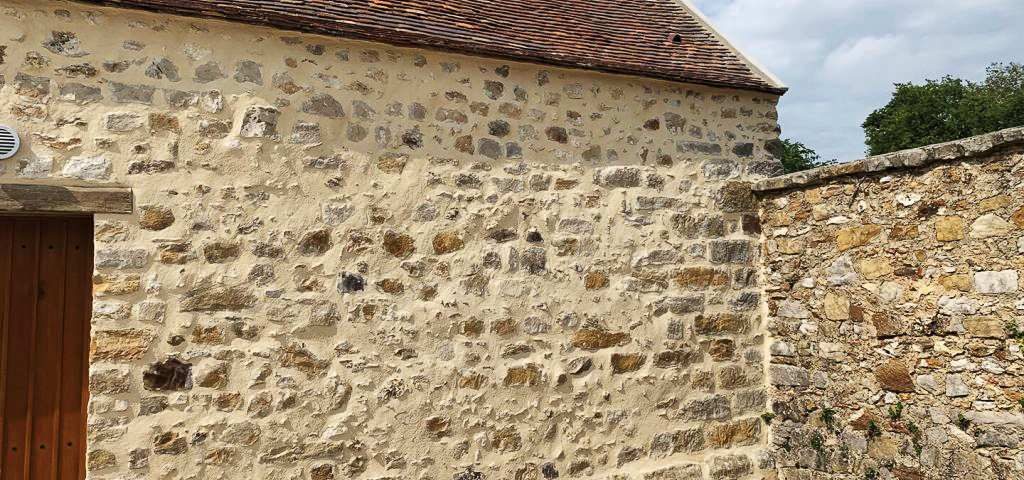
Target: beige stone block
(994, 203)
(875, 267)
(956, 282)
(985, 327)
(837, 307)
(120, 345)
(949, 229)
(852, 237)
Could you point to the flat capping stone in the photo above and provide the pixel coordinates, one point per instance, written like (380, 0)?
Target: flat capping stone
(42, 197)
(966, 148)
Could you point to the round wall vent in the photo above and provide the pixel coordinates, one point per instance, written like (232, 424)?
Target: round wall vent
(9, 142)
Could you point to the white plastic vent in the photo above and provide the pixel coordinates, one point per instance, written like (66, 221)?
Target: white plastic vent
(9, 142)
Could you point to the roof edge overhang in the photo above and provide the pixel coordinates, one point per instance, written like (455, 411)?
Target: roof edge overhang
(413, 40)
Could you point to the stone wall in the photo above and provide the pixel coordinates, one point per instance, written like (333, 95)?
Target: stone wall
(897, 314)
(350, 260)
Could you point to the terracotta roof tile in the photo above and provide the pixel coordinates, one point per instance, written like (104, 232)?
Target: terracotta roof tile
(652, 38)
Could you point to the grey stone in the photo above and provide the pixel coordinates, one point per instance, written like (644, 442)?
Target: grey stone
(731, 467)
(675, 123)
(731, 251)
(123, 93)
(955, 386)
(999, 436)
(152, 311)
(557, 134)
(324, 105)
(87, 168)
(679, 305)
(162, 68)
(121, 258)
(304, 133)
(31, 86)
(535, 260)
(743, 150)
(35, 167)
(350, 283)
(489, 148)
(711, 408)
(248, 71)
(494, 90)
(789, 376)
(64, 43)
(721, 170)
(122, 121)
(259, 121)
(793, 309)
(618, 177)
(841, 272)
(361, 109)
(699, 147)
(1020, 245)
(689, 471)
(80, 94)
(209, 72)
(928, 383)
(1006, 281)
(412, 138)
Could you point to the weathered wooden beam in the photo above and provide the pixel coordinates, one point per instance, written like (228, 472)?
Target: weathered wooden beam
(29, 197)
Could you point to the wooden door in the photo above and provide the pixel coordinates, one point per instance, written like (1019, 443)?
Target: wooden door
(45, 307)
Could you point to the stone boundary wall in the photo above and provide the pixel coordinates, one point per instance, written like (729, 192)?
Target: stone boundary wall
(896, 314)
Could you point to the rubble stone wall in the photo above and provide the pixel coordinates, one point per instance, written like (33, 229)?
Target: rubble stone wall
(894, 287)
(350, 260)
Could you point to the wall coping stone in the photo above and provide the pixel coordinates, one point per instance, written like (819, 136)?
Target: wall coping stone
(915, 157)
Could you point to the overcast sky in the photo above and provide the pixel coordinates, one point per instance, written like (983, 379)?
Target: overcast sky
(841, 57)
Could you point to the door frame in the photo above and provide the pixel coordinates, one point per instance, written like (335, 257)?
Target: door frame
(62, 198)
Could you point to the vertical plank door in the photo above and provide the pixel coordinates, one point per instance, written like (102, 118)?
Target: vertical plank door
(45, 307)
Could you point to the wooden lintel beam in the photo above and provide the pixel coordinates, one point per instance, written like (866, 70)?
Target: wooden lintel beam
(28, 197)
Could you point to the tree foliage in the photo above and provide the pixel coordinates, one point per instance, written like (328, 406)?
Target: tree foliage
(948, 109)
(797, 157)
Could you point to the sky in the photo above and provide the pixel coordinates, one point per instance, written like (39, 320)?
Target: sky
(840, 58)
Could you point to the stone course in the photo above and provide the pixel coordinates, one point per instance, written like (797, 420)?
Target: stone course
(352, 260)
(895, 314)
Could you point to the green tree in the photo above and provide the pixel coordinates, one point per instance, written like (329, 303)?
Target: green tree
(797, 157)
(948, 109)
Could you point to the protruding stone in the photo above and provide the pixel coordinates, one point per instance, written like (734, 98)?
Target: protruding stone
(894, 377)
(994, 283)
(594, 339)
(324, 105)
(990, 226)
(789, 376)
(169, 375)
(524, 376)
(448, 242)
(315, 243)
(731, 467)
(120, 345)
(155, 217)
(215, 298)
(618, 177)
(259, 121)
(87, 168)
(851, 237)
(399, 245)
(629, 362)
(248, 71)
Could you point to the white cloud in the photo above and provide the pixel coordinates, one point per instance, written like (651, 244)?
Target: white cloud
(841, 57)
